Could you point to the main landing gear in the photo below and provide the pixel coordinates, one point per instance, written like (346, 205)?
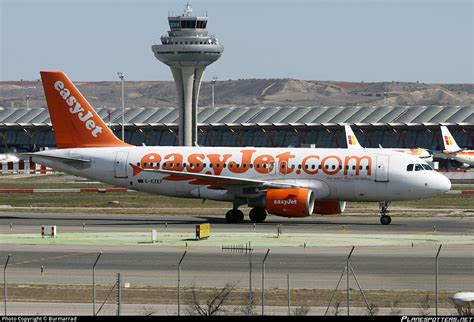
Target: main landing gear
(258, 215)
(384, 218)
(234, 216)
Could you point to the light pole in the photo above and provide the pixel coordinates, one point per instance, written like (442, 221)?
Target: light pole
(93, 283)
(263, 281)
(179, 281)
(213, 83)
(5, 282)
(122, 77)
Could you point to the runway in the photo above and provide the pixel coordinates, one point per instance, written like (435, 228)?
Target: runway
(405, 265)
(27, 222)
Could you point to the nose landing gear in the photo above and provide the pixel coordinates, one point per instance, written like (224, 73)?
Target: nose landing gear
(384, 218)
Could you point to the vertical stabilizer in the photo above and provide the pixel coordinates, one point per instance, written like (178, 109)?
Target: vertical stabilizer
(449, 144)
(351, 139)
(75, 123)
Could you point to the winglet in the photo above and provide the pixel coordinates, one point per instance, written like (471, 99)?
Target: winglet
(75, 123)
(351, 139)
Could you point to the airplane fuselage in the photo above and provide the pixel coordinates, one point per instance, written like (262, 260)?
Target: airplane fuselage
(333, 174)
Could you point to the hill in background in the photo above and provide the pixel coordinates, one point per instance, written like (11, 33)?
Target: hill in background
(252, 92)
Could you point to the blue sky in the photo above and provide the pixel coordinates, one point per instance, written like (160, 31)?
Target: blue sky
(370, 40)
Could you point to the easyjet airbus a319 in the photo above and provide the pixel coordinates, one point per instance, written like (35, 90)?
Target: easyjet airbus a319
(288, 182)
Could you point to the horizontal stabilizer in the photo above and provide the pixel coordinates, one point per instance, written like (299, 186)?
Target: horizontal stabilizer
(56, 158)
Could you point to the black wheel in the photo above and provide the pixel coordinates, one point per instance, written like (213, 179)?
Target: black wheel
(385, 220)
(234, 216)
(258, 215)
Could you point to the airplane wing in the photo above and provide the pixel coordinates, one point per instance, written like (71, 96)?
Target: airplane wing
(210, 179)
(223, 180)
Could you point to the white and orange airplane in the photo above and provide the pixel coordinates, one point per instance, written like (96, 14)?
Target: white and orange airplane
(288, 182)
(353, 143)
(452, 149)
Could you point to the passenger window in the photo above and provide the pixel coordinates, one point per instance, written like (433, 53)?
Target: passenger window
(333, 167)
(251, 165)
(312, 167)
(184, 165)
(138, 164)
(418, 167)
(410, 167)
(353, 167)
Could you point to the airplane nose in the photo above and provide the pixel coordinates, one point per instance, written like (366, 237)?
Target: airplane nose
(443, 184)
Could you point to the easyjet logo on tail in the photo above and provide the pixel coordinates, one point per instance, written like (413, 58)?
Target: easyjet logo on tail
(76, 108)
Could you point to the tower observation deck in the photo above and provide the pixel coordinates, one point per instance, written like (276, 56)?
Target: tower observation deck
(187, 50)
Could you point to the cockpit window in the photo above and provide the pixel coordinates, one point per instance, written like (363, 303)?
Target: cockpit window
(418, 167)
(427, 167)
(410, 167)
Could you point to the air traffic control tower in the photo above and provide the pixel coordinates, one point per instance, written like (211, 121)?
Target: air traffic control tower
(187, 50)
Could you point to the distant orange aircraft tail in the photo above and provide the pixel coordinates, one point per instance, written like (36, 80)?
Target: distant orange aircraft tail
(75, 123)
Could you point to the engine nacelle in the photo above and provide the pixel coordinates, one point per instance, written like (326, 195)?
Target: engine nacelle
(297, 202)
(329, 207)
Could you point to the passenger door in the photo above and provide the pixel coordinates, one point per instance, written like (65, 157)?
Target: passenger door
(381, 170)
(121, 164)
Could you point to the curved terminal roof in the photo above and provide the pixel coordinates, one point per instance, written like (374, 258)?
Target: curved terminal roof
(265, 116)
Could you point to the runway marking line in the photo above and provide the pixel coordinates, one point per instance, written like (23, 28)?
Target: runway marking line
(50, 258)
(343, 231)
(430, 232)
(185, 248)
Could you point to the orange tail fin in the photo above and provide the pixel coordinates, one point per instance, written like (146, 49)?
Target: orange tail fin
(75, 123)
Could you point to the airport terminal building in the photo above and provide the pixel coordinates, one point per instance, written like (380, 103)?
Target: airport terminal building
(29, 129)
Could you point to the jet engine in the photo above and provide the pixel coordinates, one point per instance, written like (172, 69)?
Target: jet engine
(329, 207)
(297, 202)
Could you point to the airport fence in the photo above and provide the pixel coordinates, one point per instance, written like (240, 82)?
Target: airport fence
(238, 280)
